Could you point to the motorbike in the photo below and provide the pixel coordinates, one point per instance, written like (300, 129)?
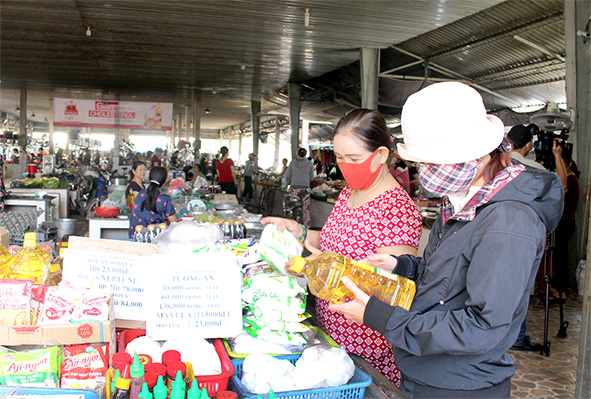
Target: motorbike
(293, 205)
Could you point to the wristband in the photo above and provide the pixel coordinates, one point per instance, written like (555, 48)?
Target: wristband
(302, 238)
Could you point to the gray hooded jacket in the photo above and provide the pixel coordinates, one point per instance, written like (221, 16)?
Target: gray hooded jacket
(300, 173)
(473, 285)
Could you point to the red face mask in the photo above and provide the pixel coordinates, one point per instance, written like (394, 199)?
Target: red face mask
(359, 175)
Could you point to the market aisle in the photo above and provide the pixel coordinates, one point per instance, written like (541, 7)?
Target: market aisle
(554, 376)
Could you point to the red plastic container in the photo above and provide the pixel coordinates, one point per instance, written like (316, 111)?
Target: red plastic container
(213, 383)
(106, 212)
(32, 169)
(171, 356)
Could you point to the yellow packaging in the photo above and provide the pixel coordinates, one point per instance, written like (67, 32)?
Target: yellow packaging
(31, 262)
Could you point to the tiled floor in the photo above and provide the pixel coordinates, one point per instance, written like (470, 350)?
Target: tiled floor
(537, 376)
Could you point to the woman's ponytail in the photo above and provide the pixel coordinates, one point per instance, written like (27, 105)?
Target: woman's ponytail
(158, 177)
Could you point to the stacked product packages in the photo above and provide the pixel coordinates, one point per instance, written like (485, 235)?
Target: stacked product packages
(275, 302)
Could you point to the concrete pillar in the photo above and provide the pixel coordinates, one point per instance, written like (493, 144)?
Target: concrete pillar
(187, 122)
(305, 134)
(295, 93)
(51, 129)
(578, 89)
(239, 143)
(277, 138)
(255, 118)
(370, 70)
(116, 142)
(197, 126)
(22, 131)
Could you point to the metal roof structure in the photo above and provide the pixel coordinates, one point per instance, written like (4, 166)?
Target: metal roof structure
(231, 52)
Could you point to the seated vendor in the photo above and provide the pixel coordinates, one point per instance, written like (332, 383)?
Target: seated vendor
(137, 174)
(150, 205)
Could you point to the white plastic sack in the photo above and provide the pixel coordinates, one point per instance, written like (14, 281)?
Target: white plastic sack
(145, 346)
(199, 352)
(262, 373)
(185, 236)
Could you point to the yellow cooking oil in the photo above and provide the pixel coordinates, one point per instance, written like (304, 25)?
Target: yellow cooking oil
(5, 256)
(31, 262)
(325, 271)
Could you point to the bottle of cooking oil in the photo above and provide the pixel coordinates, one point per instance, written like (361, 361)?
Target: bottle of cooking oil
(5, 256)
(31, 262)
(324, 274)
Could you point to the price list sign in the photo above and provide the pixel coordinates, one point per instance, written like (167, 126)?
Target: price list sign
(119, 274)
(193, 294)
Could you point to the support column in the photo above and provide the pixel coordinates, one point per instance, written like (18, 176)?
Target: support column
(116, 143)
(196, 126)
(22, 132)
(221, 137)
(239, 143)
(277, 138)
(255, 118)
(305, 134)
(370, 70)
(578, 89)
(295, 93)
(51, 129)
(187, 121)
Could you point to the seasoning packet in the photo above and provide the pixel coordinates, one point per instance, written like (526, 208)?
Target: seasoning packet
(85, 367)
(15, 302)
(31, 368)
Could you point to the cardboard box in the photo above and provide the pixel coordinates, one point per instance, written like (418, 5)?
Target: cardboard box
(62, 334)
(4, 237)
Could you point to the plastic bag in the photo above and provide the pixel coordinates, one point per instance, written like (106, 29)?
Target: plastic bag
(278, 247)
(31, 368)
(267, 280)
(262, 373)
(186, 236)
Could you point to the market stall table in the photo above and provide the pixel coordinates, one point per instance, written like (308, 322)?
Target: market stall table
(60, 200)
(15, 202)
(108, 227)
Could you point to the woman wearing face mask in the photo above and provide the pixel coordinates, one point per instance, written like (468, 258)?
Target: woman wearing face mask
(373, 214)
(474, 280)
(137, 174)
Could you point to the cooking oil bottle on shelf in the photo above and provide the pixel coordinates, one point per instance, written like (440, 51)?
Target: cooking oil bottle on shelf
(324, 274)
(5, 256)
(31, 262)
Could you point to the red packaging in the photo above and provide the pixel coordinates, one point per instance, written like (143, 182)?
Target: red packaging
(37, 299)
(84, 367)
(121, 359)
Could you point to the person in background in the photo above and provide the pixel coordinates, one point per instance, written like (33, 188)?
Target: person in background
(299, 174)
(399, 171)
(473, 282)
(226, 172)
(174, 159)
(283, 167)
(15, 155)
(156, 159)
(248, 172)
(86, 157)
(151, 206)
(136, 184)
(373, 214)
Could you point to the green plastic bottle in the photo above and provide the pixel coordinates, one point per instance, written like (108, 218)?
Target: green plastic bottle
(137, 373)
(160, 390)
(272, 395)
(194, 392)
(145, 392)
(177, 391)
(204, 394)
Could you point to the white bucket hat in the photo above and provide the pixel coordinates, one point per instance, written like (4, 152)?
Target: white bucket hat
(446, 123)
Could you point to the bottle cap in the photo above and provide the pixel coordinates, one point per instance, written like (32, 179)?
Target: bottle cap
(272, 395)
(230, 395)
(177, 392)
(145, 360)
(157, 369)
(194, 392)
(151, 379)
(120, 359)
(30, 240)
(204, 394)
(137, 368)
(160, 390)
(297, 264)
(123, 382)
(145, 392)
(170, 355)
(174, 367)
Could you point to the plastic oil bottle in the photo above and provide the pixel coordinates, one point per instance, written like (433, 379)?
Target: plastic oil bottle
(5, 257)
(31, 262)
(324, 274)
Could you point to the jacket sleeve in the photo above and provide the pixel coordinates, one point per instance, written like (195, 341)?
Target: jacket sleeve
(407, 266)
(288, 173)
(496, 281)
(311, 173)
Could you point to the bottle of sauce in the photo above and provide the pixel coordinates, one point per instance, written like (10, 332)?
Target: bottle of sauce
(122, 385)
(325, 271)
(137, 373)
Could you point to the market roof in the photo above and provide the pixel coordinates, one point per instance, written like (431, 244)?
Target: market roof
(234, 51)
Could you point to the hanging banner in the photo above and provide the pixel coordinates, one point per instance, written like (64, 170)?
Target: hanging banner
(112, 114)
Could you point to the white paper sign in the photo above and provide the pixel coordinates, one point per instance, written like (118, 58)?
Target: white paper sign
(118, 273)
(112, 114)
(197, 295)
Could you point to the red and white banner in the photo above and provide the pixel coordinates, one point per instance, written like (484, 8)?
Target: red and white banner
(112, 114)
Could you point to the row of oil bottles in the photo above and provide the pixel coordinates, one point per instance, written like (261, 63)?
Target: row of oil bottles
(32, 262)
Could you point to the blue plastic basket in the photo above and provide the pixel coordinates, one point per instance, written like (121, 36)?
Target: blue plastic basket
(8, 392)
(354, 389)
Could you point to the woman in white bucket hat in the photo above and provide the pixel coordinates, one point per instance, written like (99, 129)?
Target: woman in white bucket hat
(483, 252)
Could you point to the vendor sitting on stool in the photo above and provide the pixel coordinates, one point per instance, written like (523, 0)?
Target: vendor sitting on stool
(150, 205)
